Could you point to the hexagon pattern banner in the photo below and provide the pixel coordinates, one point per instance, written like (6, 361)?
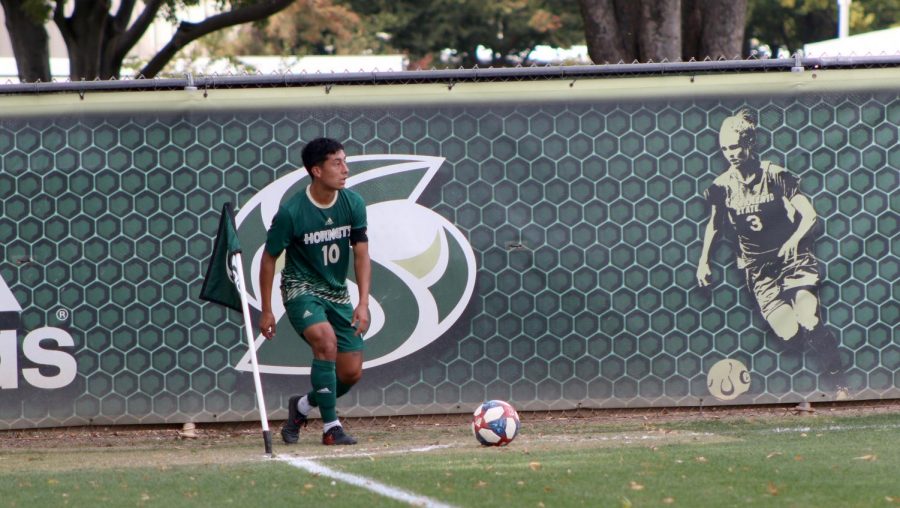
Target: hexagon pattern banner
(627, 242)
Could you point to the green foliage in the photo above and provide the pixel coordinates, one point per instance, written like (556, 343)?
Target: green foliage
(510, 28)
(316, 27)
(790, 24)
(421, 30)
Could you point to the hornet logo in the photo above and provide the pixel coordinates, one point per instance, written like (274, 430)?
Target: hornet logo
(423, 268)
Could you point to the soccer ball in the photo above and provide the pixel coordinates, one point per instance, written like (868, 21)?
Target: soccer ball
(495, 423)
(728, 379)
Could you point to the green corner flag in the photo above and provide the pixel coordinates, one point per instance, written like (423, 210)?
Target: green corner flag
(224, 284)
(219, 286)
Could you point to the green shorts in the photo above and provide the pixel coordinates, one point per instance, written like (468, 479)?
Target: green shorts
(306, 310)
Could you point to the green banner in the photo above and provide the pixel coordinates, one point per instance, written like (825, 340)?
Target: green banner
(655, 241)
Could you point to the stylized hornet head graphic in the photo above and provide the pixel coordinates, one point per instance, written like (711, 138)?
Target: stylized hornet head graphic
(423, 268)
(727, 379)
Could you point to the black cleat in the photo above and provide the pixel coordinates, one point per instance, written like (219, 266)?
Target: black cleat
(337, 436)
(290, 431)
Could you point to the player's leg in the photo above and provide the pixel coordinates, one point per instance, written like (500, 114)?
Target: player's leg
(775, 309)
(349, 344)
(783, 321)
(323, 374)
(349, 356)
(349, 360)
(820, 341)
(802, 278)
(322, 338)
(307, 316)
(337, 352)
(349, 370)
(806, 306)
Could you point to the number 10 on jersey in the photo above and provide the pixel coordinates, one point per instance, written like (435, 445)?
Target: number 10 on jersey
(330, 254)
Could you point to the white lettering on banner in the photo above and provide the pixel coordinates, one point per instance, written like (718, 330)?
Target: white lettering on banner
(65, 362)
(32, 350)
(9, 361)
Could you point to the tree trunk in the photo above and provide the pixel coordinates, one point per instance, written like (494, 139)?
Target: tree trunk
(629, 30)
(121, 38)
(723, 35)
(660, 30)
(605, 40)
(692, 28)
(644, 30)
(98, 41)
(714, 29)
(30, 43)
(86, 32)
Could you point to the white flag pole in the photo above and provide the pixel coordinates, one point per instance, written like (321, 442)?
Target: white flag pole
(237, 267)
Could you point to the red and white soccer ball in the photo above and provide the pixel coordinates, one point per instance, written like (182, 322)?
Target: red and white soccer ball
(495, 423)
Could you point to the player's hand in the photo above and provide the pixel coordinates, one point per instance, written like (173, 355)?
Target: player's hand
(704, 273)
(788, 251)
(360, 319)
(267, 324)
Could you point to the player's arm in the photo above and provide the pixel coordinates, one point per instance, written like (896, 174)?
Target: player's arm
(807, 220)
(709, 234)
(362, 266)
(266, 278)
(277, 239)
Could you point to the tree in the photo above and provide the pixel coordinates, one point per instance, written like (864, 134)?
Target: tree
(98, 40)
(511, 29)
(714, 29)
(656, 30)
(30, 42)
(306, 27)
(789, 24)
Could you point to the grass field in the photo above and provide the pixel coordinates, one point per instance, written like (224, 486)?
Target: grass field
(774, 459)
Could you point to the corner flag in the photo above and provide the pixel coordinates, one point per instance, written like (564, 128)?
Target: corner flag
(219, 286)
(224, 284)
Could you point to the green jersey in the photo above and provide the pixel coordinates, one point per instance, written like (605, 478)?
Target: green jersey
(317, 240)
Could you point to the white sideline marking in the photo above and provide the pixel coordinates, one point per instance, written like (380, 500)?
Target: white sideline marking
(366, 483)
(379, 452)
(834, 428)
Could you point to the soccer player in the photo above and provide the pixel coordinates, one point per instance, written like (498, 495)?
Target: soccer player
(318, 227)
(761, 205)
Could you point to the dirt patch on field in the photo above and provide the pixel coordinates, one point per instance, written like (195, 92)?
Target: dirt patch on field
(212, 436)
(123, 457)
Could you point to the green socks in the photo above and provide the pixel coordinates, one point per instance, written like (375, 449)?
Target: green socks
(323, 376)
(324, 392)
(341, 390)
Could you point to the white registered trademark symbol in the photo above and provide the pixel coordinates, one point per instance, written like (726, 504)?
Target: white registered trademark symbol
(62, 314)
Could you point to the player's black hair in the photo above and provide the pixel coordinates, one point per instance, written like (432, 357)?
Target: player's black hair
(316, 151)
